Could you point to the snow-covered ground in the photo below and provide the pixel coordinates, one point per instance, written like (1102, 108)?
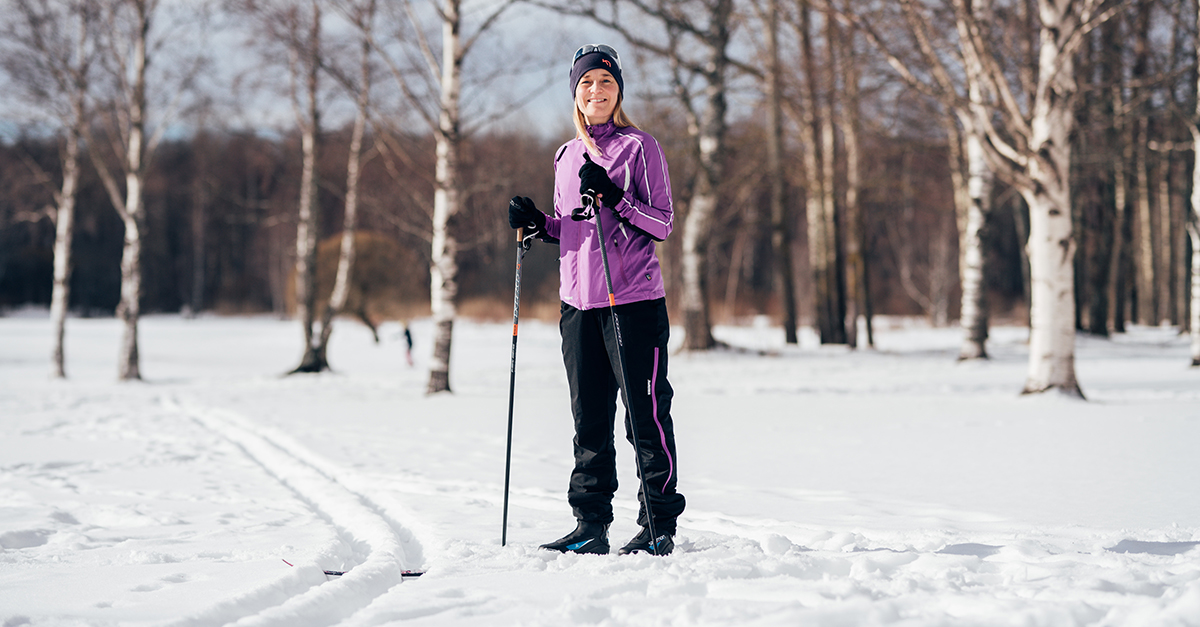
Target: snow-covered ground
(824, 486)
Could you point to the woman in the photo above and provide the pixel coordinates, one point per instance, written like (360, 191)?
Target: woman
(625, 171)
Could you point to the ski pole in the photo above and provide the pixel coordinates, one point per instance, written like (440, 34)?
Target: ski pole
(523, 244)
(589, 199)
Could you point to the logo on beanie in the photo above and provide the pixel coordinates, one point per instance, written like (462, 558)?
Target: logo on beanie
(605, 61)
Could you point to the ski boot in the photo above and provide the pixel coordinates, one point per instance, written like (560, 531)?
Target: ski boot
(588, 537)
(663, 544)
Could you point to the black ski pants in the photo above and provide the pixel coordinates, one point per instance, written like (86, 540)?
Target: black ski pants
(589, 346)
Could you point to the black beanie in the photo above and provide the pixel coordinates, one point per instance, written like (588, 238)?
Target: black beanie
(595, 60)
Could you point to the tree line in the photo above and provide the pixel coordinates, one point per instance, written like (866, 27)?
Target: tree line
(832, 161)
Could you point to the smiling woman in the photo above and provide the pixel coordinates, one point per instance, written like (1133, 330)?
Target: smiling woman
(614, 320)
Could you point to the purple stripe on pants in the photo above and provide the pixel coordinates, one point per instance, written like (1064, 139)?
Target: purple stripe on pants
(661, 433)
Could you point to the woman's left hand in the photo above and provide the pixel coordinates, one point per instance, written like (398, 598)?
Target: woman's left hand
(594, 177)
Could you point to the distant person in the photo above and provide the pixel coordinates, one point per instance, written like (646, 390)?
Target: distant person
(408, 345)
(626, 170)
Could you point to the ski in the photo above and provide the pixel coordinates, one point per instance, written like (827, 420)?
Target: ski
(339, 573)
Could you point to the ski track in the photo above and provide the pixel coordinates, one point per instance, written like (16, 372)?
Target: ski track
(375, 547)
(761, 571)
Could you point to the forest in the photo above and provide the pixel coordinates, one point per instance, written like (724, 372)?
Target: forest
(1025, 162)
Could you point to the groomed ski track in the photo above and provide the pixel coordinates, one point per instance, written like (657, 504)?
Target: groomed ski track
(375, 549)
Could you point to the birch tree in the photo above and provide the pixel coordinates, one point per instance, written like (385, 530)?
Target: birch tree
(1121, 147)
(1031, 147)
(816, 140)
(1027, 142)
(971, 174)
(291, 34)
(51, 59)
(304, 69)
(443, 72)
(1193, 225)
(781, 229)
(363, 17)
(127, 24)
(856, 271)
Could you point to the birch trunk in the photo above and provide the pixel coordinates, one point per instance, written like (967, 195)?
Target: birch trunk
(1142, 244)
(818, 255)
(1118, 288)
(696, 323)
(697, 227)
(308, 222)
(444, 259)
(781, 232)
(129, 309)
(974, 314)
(200, 195)
(134, 210)
(1194, 219)
(855, 281)
(1194, 233)
(1116, 301)
(1179, 248)
(835, 303)
(1147, 313)
(341, 284)
(1051, 240)
(1166, 309)
(130, 142)
(60, 300)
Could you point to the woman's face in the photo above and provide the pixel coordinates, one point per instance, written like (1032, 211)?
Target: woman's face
(596, 96)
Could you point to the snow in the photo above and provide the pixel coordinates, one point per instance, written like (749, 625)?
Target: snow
(825, 486)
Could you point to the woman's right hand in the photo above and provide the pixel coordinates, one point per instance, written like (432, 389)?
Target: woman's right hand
(522, 213)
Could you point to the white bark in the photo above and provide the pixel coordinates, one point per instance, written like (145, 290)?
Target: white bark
(1194, 234)
(1116, 300)
(71, 76)
(709, 134)
(60, 299)
(443, 285)
(129, 309)
(827, 110)
(781, 237)
(810, 140)
(855, 261)
(1166, 312)
(973, 317)
(134, 210)
(133, 149)
(1144, 230)
(1051, 240)
(307, 60)
(1194, 221)
(346, 258)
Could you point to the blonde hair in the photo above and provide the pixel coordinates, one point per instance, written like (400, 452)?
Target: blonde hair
(619, 118)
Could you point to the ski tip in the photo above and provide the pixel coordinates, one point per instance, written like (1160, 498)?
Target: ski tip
(412, 573)
(336, 573)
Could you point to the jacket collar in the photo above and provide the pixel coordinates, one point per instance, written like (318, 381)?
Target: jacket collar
(602, 131)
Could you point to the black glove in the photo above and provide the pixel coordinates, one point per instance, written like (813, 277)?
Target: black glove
(523, 214)
(594, 177)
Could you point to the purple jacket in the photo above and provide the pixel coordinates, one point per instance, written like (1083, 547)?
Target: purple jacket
(635, 163)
